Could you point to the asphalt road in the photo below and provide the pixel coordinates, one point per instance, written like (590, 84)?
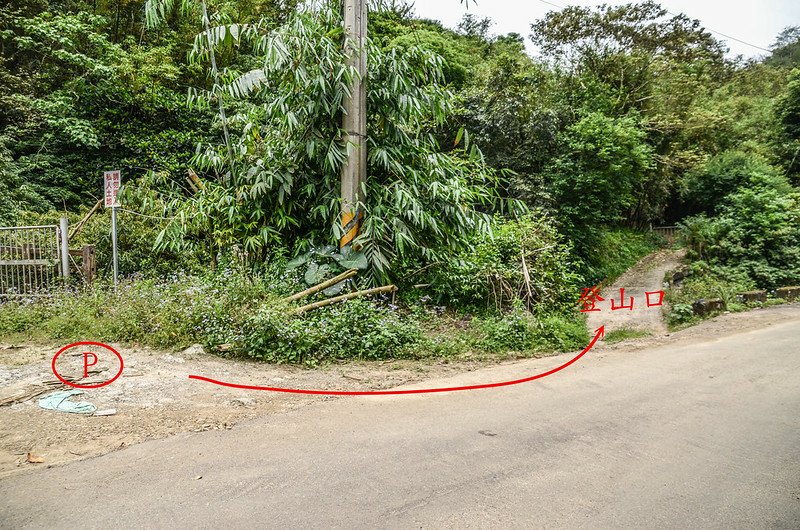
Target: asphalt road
(690, 436)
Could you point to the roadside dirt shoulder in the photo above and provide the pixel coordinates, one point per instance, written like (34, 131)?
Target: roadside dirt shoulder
(155, 398)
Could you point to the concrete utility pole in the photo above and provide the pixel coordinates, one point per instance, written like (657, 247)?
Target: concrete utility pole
(354, 123)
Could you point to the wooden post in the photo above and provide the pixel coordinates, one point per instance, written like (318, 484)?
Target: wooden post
(354, 122)
(78, 226)
(88, 264)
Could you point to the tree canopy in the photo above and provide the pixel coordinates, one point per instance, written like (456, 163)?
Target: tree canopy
(628, 116)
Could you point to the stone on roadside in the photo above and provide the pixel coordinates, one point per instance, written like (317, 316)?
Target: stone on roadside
(194, 349)
(750, 297)
(790, 294)
(704, 307)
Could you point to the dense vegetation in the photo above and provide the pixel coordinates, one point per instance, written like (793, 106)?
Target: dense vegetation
(481, 158)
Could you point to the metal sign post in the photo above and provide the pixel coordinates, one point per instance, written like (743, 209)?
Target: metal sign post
(64, 230)
(112, 183)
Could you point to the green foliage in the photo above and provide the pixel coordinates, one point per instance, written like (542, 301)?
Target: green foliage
(135, 236)
(520, 331)
(616, 251)
(456, 56)
(603, 161)
(241, 311)
(492, 275)
(581, 33)
(707, 187)
(680, 314)
(75, 102)
(756, 232)
(788, 112)
(629, 116)
(513, 331)
(561, 332)
(786, 49)
(420, 202)
(790, 106)
(353, 330)
(171, 313)
(706, 282)
(514, 111)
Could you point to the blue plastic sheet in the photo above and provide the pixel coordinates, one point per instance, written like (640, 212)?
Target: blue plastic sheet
(60, 402)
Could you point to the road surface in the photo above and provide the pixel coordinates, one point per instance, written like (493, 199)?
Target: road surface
(703, 435)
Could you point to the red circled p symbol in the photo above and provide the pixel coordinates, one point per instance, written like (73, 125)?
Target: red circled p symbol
(97, 345)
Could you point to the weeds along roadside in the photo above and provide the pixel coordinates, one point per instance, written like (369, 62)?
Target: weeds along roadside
(475, 307)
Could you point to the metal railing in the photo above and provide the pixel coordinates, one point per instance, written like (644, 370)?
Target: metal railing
(670, 233)
(31, 260)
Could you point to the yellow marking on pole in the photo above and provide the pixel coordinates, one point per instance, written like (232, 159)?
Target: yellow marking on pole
(352, 225)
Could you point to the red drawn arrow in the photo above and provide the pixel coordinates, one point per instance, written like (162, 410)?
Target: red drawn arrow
(598, 334)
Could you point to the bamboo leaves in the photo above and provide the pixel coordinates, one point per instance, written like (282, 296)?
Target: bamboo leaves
(421, 203)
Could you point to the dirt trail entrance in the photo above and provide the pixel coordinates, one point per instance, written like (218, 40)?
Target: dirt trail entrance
(646, 276)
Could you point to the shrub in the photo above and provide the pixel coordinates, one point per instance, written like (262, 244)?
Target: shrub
(521, 331)
(603, 165)
(757, 232)
(514, 331)
(229, 307)
(491, 276)
(705, 188)
(246, 313)
(356, 329)
(680, 314)
(559, 332)
(705, 282)
(173, 312)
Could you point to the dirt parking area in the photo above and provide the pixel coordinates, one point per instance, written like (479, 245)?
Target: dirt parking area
(154, 398)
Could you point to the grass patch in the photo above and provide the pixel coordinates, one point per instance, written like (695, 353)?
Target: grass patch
(246, 314)
(619, 250)
(621, 335)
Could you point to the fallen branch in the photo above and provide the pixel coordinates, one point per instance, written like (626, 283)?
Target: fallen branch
(527, 275)
(322, 286)
(37, 389)
(344, 298)
(85, 218)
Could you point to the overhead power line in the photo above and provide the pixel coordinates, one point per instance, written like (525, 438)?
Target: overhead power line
(729, 37)
(705, 27)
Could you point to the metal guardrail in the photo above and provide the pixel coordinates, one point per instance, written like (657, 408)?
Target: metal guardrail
(31, 260)
(667, 232)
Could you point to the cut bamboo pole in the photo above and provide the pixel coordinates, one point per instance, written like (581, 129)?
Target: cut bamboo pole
(324, 285)
(86, 218)
(527, 275)
(343, 298)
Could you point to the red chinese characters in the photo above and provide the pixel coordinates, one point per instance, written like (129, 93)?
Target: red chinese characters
(590, 298)
(615, 307)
